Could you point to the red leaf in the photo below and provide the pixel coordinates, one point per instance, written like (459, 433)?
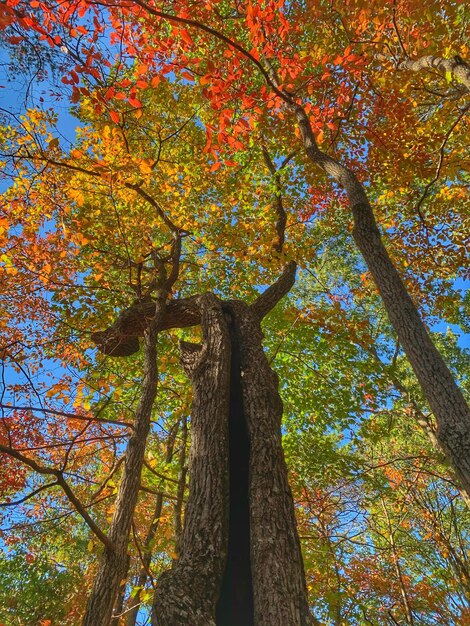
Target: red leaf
(187, 76)
(114, 115)
(185, 36)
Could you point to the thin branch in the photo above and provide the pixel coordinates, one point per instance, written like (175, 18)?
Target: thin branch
(40, 469)
(29, 495)
(65, 414)
(441, 161)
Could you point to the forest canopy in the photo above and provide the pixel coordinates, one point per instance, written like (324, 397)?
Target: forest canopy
(154, 152)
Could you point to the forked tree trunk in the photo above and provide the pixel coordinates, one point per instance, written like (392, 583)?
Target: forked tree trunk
(187, 594)
(240, 562)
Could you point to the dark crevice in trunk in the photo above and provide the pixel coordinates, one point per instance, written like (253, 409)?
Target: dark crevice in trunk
(235, 605)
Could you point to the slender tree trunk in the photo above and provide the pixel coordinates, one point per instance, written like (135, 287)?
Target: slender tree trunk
(397, 567)
(114, 562)
(143, 575)
(445, 398)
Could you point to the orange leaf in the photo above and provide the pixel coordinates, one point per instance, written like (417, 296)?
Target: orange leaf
(185, 36)
(187, 76)
(114, 115)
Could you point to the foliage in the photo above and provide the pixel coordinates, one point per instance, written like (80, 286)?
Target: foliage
(180, 127)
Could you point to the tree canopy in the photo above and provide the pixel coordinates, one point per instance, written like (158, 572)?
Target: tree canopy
(214, 143)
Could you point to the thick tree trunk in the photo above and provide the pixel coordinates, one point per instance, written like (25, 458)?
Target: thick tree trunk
(441, 391)
(240, 562)
(114, 562)
(187, 594)
(280, 597)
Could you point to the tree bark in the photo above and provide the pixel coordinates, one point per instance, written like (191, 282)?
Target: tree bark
(114, 562)
(187, 594)
(456, 67)
(280, 595)
(446, 400)
(240, 561)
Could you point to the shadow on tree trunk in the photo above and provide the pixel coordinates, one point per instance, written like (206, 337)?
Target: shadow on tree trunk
(240, 562)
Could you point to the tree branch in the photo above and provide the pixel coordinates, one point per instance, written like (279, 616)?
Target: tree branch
(458, 69)
(40, 469)
(268, 300)
(66, 414)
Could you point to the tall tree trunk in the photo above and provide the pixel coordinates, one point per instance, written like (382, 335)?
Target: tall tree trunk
(240, 557)
(280, 596)
(143, 575)
(114, 562)
(186, 595)
(441, 391)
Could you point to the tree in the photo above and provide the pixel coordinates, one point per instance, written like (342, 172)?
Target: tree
(200, 125)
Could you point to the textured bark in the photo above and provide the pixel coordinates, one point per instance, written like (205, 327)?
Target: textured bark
(235, 603)
(114, 562)
(178, 507)
(280, 595)
(240, 561)
(187, 594)
(456, 67)
(437, 383)
(122, 338)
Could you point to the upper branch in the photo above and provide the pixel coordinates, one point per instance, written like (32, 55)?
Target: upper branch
(456, 67)
(281, 216)
(268, 300)
(122, 337)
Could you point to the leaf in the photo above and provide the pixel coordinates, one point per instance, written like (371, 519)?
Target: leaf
(187, 76)
(115, 116)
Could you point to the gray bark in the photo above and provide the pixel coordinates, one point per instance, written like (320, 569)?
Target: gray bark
(446, 400)
(188, 593)
(114, 562)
